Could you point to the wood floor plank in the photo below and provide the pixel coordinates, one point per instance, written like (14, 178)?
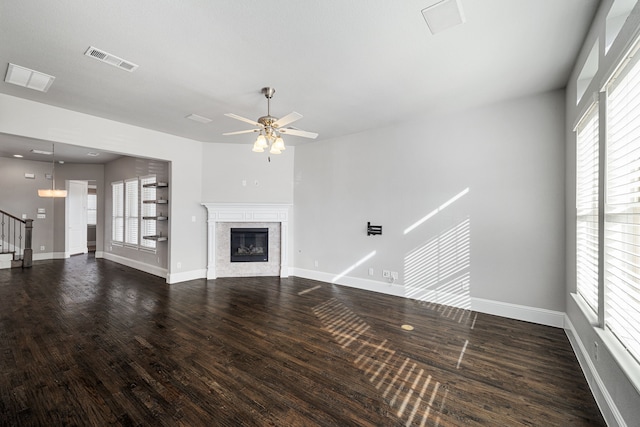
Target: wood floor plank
(90, 342)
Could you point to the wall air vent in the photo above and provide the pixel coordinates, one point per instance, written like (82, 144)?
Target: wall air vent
(110, 59)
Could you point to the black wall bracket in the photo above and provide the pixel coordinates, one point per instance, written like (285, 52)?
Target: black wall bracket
(373, 230)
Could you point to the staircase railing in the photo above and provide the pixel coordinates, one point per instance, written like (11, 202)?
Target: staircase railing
(15, 237)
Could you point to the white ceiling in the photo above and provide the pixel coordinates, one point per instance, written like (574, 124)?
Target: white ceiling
(347, 66)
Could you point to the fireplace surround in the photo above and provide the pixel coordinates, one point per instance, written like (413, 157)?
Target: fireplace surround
(222, 216)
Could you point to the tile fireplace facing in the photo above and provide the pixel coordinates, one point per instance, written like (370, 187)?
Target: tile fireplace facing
(226, 267)
(222, 217)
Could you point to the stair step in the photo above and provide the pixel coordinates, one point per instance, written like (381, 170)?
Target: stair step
(6, 260)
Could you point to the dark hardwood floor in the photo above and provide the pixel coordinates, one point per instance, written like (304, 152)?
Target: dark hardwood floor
(91, 342)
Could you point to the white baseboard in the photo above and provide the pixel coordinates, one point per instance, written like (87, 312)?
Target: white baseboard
(352, 282)
(600, 393)
(540, 316)
(497, 308)
(147, 268)
(49, 255)
(173, 278)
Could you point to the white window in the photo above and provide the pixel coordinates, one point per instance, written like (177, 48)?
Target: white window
(131, 211)
(622, 208)
(117, 214)
(92, 208)
(587, 147)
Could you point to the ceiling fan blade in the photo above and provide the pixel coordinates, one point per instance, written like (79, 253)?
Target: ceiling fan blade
(298, 132)
(238, 132)
(289, 118)
(243, 119)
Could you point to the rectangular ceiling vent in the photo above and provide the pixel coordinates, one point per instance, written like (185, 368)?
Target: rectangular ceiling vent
(110, 59)
(28, 78)
(443, 15)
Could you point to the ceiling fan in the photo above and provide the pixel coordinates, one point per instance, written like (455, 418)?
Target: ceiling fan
(271, 128)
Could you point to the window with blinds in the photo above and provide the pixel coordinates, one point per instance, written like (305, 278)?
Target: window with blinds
(131, 211)
(92, 208)
(587, 165)
(622, 208)
(117, 212)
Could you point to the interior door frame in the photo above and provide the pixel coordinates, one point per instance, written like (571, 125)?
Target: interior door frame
(67, 204)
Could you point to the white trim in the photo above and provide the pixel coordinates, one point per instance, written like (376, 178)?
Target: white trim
(173, 278)
(5, 260)
(147, 268)
(512, 311)
(598, 389)
(352, 282)
(526, 313)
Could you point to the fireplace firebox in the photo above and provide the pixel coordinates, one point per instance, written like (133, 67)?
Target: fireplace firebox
(249, 244)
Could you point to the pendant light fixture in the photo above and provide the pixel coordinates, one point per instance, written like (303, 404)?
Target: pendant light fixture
(52, 192)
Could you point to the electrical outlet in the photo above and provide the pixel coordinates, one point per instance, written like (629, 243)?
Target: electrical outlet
(179, 265)
(315, 263)
(371, 272)
(42, 248)
(394, 275)
(386, 274)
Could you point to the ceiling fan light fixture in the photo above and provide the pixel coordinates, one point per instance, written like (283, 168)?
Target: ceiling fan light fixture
(271, 127)
(274, 150)
(261, 142)
(278, 144)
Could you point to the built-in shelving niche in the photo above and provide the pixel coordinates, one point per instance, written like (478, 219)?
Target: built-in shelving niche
(161, 200)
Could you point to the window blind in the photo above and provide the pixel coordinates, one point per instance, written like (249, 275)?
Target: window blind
(117, 211)
(587, 165)
(92, 209)
(131, 211)
(622, 208)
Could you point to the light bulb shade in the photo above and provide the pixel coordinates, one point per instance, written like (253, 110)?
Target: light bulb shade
(257, 148)
(261, 142)
(278, 144)
(274, 150)
(50, 192)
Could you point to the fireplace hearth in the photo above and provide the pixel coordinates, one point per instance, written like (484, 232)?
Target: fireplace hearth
(249, 245)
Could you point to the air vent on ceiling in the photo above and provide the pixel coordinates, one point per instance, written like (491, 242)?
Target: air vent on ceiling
(443, 15)
(110, 59)
(28, 78)
(200, 119)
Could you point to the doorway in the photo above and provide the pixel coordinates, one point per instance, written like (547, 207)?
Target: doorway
(76, 218)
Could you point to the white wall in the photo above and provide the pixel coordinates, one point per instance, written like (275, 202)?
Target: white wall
(226, 166)
(20, 196)
(510, 158)
(613, 376)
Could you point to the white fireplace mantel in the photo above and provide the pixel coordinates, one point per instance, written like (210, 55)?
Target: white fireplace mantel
(246, 212)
